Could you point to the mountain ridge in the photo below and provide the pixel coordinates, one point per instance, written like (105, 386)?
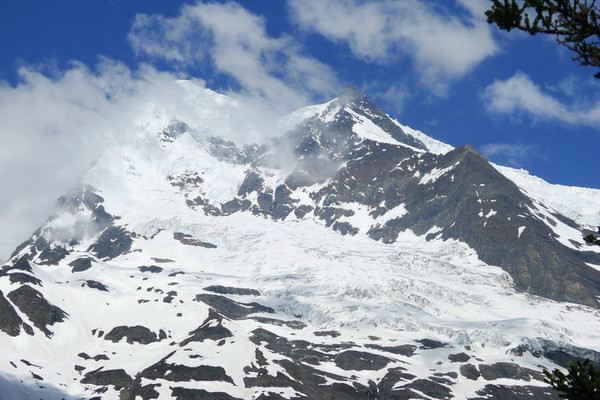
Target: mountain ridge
(325, 264)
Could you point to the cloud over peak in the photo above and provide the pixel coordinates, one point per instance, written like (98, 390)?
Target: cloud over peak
(235, 43)
(442, 46)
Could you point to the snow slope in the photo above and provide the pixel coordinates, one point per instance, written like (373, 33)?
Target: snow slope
(580, 204)
(325, 296)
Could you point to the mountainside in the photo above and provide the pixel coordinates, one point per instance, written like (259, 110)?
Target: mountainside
(350, 257)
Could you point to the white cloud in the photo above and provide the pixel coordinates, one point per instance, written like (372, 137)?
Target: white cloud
(514, 154)
(519, 95)
(235, 43)
(443, 46)
(54, 125)
(391, 97)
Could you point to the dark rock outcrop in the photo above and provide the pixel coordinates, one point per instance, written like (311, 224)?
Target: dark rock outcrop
(52, 255)
(19, 277)
(188, 240)
(459, 357)
(232, 290)
(133, 334)
(95, 285)
(470, 371)
(212, 329)
(113, 242)
(430, 388)
(509, 371)
(199, 394)
(428, 344)
(253, 182)
(154, 269)
(10, 322)
(81, 264)
(407, 350)
(232, 309)
(183, 373)
(39, 311)
(360, 360)
(114, 377)
(505, 392)
(98, 357)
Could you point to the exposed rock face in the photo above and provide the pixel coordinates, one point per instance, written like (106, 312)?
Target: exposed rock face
(173, 130)
(457, 195)
(20, 264)
(469, 371)
(355, 360)
(199, 394)
(431, 388)
(253, 182)
(85, 196)
(95, 285)
(516, 393)
(37, 308)
(18, 277)
(98, 357)
(293, 324)
(154, 269)
(115, 377)
(183, 373)
(428, 344)
(133, 334)
(113, 242)
(455, 204)
(459, 357)
(185, 180)
(508, 371)
(211, 329)
(563, 355)
(186, 239)
(10, 322)
(81, 264)
(232, 290)
(406, 350)
(136, 391)
(232, 309)
(52, 255)
(226, 150)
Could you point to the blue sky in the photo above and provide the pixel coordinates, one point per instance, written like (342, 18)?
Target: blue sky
(436, 66)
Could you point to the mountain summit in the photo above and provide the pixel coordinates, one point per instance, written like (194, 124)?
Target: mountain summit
(351, 257)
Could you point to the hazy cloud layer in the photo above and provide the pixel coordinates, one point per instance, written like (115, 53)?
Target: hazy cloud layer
(520, 96)
(54, 124)
(442, 46)
(52, 127)
(235, 43)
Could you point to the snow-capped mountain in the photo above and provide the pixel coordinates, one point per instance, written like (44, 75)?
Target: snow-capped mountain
(351, 257)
